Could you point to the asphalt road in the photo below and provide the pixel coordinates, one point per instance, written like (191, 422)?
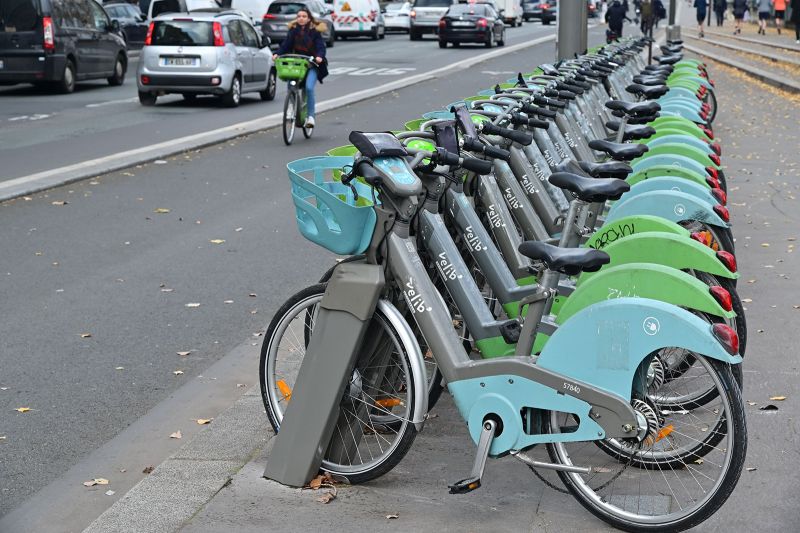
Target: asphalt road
(98, 120)
(100, 290)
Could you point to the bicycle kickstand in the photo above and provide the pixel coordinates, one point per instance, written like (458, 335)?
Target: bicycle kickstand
(474, 481)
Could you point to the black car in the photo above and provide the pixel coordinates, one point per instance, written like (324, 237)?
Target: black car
(59, 42)
(471, 23)
(132, 22)
(545, 10)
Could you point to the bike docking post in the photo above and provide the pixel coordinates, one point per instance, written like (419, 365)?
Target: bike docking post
(340, 336)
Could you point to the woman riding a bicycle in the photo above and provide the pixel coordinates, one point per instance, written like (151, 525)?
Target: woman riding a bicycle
(305, 38)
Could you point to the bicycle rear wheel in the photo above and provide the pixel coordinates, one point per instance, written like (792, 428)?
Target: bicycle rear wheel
(289, 117)
(373, 432)
(640, 490)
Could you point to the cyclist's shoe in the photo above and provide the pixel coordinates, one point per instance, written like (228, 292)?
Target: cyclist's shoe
(309, 122)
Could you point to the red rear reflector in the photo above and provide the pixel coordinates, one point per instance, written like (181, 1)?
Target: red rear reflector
(717, 148)
(727, 337)
(722, 297)
(149, 39)
(713, 182)
(218, 39)
(715, 158)
(145, 80)
(442, 23)
(708, 132)
(713, 172)
(269, 16)
(703, 237)
(720, 195)
(727, 259)
(722, 211)
(49, 33)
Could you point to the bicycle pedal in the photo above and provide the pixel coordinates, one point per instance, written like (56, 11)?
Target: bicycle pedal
(465, 485)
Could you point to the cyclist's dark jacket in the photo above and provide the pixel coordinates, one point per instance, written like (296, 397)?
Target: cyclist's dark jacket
(308, 42)
(615, 14)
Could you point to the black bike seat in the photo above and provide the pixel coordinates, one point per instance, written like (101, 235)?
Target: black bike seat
(619, 151)
(609, 169)
(633, 132)
(650, 80)
(669, 59)
(634, 108)
(590, 189)
(549, 69)
(654, 69)
(647, 91)
(569, 261)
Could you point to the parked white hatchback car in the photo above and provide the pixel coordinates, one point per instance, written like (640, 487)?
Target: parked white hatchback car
(204, 53)
(397, 16)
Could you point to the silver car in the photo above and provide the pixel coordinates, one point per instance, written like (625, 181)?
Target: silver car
(281, 12)
(204, 53)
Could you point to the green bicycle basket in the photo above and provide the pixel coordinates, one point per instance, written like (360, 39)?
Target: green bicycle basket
(291, 68)
(326, 211)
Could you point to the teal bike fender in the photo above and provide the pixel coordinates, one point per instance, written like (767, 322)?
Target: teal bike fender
(671, 183)
(643, 163)
(682, 111)
(621, 228)
(673, 205)
(604, 344)
(679, 92)
(669, 249)
(678, 138)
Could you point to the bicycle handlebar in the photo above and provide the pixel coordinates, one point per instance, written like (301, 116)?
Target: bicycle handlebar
(517, 136)
(524, 120)
(492, 152)
(540, 111)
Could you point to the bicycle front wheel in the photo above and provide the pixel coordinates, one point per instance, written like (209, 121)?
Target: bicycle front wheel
(655, 494)
(373, 432)
(289, 117)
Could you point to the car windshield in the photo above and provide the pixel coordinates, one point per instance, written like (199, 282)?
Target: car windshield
(432, 3)
(182, 33)
(281, 8)
(18, 15)
(397, 6)
(466, 9)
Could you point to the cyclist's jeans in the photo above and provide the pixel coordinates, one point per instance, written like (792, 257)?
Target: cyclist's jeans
(311, 81)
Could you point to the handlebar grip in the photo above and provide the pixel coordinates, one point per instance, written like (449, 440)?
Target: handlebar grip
(494, 152)
(541, 100)
(517, 136)
(539, 111)
(519, 119)
(536, 123)
(479, 166)
(567, 95)
(443, 157)
(569, 87)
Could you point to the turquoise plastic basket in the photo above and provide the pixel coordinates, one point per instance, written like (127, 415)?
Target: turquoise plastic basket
(326, 211)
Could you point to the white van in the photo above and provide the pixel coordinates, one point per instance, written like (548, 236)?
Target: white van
(255, 9)
(512, 11)
(358, 17)
(157, 7)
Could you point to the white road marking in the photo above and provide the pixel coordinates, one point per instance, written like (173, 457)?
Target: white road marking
(37, 116)
(370, 71)
(114, 102)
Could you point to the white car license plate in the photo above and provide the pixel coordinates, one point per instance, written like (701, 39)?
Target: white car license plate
(462, 24)
(179, 61)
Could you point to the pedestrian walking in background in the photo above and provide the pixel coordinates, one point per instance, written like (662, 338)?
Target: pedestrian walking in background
(796, 19)
(739, 9)
(661, 11)
(780, 14)
(764, 7)
(615, 17)
(719, 10)
(701, 6)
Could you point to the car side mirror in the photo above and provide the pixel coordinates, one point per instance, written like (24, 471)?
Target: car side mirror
(114, 26)
(142, 17)
(265, 41)
(501, 11)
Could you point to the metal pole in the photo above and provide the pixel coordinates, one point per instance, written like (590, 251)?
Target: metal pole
(672, 4)
(571, 35)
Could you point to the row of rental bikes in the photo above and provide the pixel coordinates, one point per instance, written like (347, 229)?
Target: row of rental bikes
(556, 252)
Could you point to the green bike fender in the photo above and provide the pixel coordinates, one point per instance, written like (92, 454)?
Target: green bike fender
(657, 171)
(632, 225)
(643, 280)
(684, 150)
(668, 129)
(681, 124)
(669, 159)
(673, 205)
(604, 344)
(667, 249)
(688, 140)
(684, 82)
(413, 125)
(681, 91)
(663, 183)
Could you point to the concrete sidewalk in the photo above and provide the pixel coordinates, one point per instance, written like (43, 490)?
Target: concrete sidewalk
(214, 483)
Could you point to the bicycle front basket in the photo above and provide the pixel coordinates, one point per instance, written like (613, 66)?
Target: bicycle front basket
(291, 68)
(326, 211)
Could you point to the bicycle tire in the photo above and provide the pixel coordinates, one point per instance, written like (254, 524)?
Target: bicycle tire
(707, 505)
(296, 306)
(289, 116)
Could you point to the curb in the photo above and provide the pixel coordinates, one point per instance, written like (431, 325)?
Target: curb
(774, 57)
(49, 179)
(756, 41)
(767, 77)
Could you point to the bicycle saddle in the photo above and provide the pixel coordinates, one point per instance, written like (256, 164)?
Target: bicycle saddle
(668, 60)
(549, 70)
(569, 261)
(589, 189)
(650, 80)
(649, 92)
(609, 169)
(634, 108)
(655, 69)
(632, 132)
(619, 151)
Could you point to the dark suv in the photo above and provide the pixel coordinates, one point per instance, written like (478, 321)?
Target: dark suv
(59, 41)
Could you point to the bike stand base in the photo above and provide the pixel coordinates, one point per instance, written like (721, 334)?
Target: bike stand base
(474, 480)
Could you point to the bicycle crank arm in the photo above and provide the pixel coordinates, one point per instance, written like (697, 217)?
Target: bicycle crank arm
(474, 480)
(549, 466)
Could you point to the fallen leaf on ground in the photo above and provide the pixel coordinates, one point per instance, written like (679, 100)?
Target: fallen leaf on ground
(167, 290)
(193, 305)
(120, 368)
(85, 335)
(252, 295)
(176, 435)
(60, 202)
(178, 372)
(217, 241)
(95, 481)
(769, 407)
(747, 300)
(23, 409)
(392, 516)
(148, 469)
(228, 302)
(2, 437)
(751, 403)
(328, 497)
(203, 421)
(109, 493)
(751, 468)
(699, 461)
(238, 229)
(765, 244)
(777, 398)
(161, 210)
(184, 353)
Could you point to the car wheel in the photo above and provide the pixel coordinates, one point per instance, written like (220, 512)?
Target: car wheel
(442, 44)
(332, 40)
(67, 83)
(546, 22)
(147, 99)
(490, 40)
(118, 77)
(502, 41)
(234, 95)
(272, 83)
(414, 35)
(375, 33)
(456, 44)
(189, 97)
